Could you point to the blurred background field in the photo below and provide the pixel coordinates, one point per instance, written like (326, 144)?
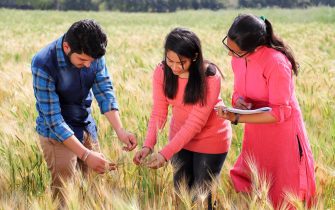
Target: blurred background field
(135, 47)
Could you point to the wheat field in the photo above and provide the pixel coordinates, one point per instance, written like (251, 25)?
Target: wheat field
(135, 47)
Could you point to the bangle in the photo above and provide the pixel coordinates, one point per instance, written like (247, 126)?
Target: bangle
(85, 156)
(237, 117)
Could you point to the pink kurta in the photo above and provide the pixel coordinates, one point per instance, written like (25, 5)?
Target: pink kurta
(193, 127)
(264, 78)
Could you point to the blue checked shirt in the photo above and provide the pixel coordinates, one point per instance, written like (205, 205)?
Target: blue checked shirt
(49, 89)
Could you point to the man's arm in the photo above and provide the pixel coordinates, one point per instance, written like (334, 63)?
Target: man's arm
(48, 102)
(94, 160)
(128, 138)
(104, 94)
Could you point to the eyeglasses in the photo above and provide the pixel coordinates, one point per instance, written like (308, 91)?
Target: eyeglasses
(232, 51)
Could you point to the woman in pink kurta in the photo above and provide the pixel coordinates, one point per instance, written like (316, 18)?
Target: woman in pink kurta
(275, 141)
(198, 138)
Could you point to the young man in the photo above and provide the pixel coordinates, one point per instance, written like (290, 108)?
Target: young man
(64, 75)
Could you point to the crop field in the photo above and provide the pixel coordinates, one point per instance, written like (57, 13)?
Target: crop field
(135, 47)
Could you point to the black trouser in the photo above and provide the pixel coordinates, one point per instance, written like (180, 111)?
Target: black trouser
(196, 170)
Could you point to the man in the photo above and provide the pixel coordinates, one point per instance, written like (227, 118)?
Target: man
(65, 73)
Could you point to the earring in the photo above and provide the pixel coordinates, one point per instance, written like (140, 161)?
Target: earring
(195, 57)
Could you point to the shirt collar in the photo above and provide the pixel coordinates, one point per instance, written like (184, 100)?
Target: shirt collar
(62, 59)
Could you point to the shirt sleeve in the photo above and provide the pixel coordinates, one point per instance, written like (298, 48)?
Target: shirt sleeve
(159, 109)
(103, 89)
(48, 104)
(196, 121)
(279, 79)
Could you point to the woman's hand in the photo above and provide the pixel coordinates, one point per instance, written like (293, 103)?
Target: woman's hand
(223, 113)
(141, 155)
(127, 138)
(241, 104)
(99, 163)
(156, 161)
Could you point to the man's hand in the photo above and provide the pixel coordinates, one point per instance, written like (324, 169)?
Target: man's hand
(94, 160)
(127, 138)
(99, 163)
(141, 155)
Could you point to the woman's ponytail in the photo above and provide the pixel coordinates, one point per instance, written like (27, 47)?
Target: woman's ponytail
(276, 43)
(249, 32)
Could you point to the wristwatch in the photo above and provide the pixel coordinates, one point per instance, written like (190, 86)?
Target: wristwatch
(237, 117)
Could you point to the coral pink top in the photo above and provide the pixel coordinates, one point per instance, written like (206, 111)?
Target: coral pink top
(193, 127)
(280, 150)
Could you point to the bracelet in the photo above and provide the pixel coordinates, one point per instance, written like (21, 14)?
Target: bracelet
(237, 117)
(85, 156)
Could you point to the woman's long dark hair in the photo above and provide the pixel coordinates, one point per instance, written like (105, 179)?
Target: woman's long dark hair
(185, 43)
(249, 31)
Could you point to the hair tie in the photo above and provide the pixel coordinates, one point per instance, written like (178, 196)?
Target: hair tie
(262, 17)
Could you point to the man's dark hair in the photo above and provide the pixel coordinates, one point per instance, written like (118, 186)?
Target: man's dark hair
(86, 36)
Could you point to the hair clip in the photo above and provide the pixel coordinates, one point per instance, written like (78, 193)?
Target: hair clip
(262, 17)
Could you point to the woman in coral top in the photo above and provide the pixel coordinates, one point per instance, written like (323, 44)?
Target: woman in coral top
(198, 138)
(275, 141)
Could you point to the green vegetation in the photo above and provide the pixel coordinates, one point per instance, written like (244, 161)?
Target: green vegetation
(134, 48)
